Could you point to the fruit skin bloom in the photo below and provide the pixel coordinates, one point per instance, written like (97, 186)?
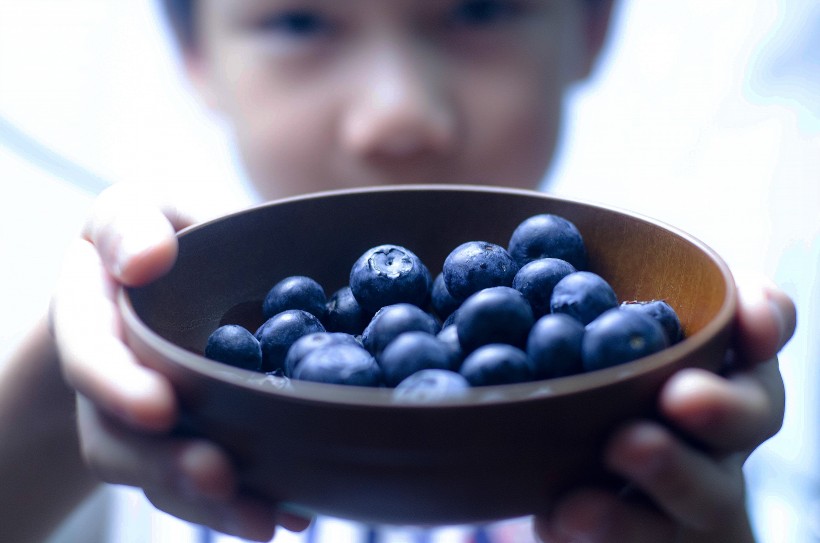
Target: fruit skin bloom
(411, 352)
(296, 292)
(279, 332)
(548, 236)
(582, 295)
(494, 315)
(663, 313)
(235, 345)
(387, 275)
(391, 321)
(554, 345)
(431, 385)
(497, 364)
(341, 364)
(619, 336)
(475, 265)
(537, 279)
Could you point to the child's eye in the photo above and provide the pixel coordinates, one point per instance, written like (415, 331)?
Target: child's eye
(483, 12)
(297, 24)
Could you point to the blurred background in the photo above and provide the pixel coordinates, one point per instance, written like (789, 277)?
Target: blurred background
(703, 114)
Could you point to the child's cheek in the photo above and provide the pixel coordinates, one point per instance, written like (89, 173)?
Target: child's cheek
(513, 126)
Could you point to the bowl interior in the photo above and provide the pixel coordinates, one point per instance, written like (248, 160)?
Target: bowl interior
(225, 267)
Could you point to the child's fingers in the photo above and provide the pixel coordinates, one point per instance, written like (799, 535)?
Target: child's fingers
(592, 516)
(191, 479)
(86, 327)
(727, 414)
(244, 518)
(192, 469)
(766, 318)
(133, 234)
(689, 486)
(292, 521)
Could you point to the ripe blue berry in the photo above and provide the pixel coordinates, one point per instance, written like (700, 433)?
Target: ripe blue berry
(295, 292)
(497, 364)
(312, 342)
(234, 345)
(389, 274)
(476, 265)
(450, 320)
(546, 235)
(536, 279)
(449, 336)
(619, 336)
(663, 313)
(279, 332)
(411, 352)
(440, 298)
(341, 365)
(554, 345)
(494, 315)
(431, 385)
(344, 313)
(392, 320)
(582, 295)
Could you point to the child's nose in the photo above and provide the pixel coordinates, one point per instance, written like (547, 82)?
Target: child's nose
(400, 108)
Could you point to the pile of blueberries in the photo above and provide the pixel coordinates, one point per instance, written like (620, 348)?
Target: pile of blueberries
(493, 315)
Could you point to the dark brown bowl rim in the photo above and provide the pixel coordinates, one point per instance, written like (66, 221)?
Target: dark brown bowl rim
(350, 395)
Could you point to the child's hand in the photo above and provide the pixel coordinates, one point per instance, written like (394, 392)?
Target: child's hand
(692, 496)
(126, 411)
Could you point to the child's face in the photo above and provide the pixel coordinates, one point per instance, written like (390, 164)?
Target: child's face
(325, 94)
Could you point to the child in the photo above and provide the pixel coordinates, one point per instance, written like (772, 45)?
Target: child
(323, 95)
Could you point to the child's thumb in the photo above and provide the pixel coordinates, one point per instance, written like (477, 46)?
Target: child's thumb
(133, 236)
(766, 318)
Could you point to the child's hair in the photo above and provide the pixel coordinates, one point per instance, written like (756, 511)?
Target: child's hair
(180, 14)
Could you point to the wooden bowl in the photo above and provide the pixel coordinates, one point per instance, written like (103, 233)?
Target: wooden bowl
(353, 452)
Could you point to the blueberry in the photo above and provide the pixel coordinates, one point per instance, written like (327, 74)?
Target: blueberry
(450, 320)
(392, 320)
(341, 365)
(546, 235)
(234, 345)
(497, 364)
(554, 345)
(279, 332)
(411, 352)
(663, 313)
(619, 336)
(476, 265)
(344, 313)
(295, 292)
(449, 336)
(389, 274)
(431, 385)
(582, 295)
(494, 315)
(442, 301)
(311, 342)
(536, 279)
